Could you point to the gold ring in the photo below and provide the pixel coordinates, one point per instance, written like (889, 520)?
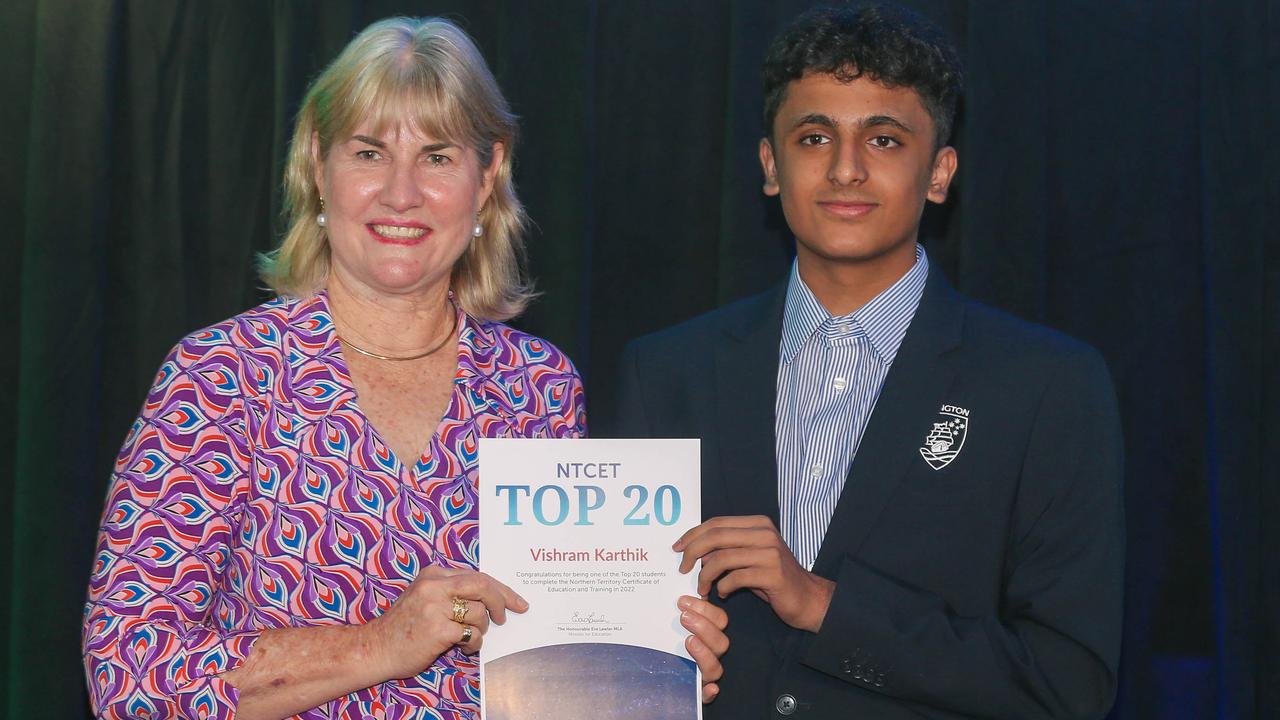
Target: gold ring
(466, 635)
(459, 610)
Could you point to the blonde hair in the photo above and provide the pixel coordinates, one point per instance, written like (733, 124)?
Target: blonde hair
(429, 73)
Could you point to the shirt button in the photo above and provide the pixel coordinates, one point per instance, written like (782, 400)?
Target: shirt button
(839, 384)
(844, 327)
(816, 471)
(785, 705)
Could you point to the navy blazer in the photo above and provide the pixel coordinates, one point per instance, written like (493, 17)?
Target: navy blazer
(989, 587)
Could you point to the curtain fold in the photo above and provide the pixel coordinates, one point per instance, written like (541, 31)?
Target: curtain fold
(1118, 180)
(58, 428)
(18, 56)
(1240, 187)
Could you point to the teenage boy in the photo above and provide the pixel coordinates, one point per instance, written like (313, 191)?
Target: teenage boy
(915, 499)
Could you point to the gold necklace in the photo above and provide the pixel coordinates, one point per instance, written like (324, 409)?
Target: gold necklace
(406, 358)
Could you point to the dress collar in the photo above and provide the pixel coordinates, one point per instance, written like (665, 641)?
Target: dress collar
(480, 359)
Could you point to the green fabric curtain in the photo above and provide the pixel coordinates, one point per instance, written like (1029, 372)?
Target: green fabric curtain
(1119, 180)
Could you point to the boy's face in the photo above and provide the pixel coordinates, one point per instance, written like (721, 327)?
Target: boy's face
(853, 164)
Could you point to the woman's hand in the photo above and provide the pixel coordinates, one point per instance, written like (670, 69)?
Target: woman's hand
(708, 641)
(421, 625)
(293, 669)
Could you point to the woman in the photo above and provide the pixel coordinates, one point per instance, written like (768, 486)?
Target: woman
(291, 526)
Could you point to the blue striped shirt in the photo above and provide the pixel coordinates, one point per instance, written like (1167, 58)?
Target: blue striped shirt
(830, 370)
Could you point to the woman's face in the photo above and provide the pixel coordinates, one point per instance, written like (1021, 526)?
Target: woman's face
(400, 207)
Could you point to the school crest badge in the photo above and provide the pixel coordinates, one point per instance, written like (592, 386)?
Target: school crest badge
(946, 439)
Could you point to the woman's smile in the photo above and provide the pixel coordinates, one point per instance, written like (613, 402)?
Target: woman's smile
(399, 233)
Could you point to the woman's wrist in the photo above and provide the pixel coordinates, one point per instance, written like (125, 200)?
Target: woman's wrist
(293, 669)
(368, 656)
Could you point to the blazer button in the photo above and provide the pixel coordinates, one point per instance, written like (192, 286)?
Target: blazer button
(785, 705)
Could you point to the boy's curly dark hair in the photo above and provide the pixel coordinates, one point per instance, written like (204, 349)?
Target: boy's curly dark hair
(890, 45)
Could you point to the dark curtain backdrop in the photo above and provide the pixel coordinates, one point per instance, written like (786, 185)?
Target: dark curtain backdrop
(1120, 180)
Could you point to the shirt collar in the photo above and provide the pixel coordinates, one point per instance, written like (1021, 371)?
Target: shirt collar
(883, 320)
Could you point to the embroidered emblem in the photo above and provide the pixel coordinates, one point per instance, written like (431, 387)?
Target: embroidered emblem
(947, 437)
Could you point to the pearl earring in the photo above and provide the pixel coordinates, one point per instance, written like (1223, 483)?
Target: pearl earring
(477, 231)
(321, 219)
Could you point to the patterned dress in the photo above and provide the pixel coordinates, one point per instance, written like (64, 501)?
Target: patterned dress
(252, 494)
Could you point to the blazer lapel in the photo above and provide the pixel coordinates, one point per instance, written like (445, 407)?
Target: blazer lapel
(913, 389)
(746, 365)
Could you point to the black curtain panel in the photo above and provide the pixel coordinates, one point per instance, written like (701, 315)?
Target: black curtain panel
(1119, 180)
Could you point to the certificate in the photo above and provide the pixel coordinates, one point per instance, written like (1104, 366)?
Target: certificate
(583, 529)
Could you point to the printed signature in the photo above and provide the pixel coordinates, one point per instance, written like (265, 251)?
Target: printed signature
(587, 618)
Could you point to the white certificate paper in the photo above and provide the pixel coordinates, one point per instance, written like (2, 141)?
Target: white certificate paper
(582, 529)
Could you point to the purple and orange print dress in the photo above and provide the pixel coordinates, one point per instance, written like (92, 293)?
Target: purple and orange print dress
(253, 494)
